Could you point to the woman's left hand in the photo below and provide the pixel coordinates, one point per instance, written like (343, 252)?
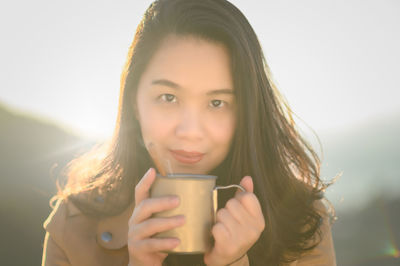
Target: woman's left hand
(239, 225)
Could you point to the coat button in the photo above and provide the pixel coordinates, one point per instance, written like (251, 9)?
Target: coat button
(99, 199)
(106, 237)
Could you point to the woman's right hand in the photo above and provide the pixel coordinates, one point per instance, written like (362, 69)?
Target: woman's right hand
(143, 249)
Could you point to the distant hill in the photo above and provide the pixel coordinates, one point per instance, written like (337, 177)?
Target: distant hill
(369, 236)
(368, 155)
(367, 195)
(32, 154)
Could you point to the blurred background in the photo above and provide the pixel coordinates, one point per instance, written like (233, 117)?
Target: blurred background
(336, 62)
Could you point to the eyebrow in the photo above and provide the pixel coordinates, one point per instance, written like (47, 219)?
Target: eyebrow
(173, 85)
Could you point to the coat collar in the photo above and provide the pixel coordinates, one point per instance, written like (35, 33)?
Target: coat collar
(111, 232)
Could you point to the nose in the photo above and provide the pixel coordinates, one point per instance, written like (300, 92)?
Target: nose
(190, 126)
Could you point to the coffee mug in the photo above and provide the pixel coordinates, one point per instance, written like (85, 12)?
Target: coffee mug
(198, 203)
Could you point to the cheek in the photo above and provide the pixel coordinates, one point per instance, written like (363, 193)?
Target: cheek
(222, 130)
(155, 125)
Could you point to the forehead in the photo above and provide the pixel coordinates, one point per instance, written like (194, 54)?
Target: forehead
(190, 62)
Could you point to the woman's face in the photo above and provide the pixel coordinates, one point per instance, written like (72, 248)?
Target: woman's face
(186, 105)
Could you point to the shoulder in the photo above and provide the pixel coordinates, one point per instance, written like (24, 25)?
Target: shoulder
(67, 219)
(54, 244)
(55, 222)
(78, 234)
(324, 252)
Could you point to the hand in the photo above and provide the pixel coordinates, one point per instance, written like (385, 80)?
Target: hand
(239, 225)
(143, 249)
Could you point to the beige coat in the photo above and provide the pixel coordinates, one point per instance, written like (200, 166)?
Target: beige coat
(76, 239)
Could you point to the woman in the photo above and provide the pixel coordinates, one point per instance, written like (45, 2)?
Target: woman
(196, 85)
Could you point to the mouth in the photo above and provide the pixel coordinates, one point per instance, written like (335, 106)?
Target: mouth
(187, 157)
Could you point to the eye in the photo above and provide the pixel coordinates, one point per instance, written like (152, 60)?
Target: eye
(168, 98)
(217, 103)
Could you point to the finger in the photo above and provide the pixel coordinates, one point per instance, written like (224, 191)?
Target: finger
(247, 184)
(153, 226)
(221, 236)
(224, 217)
(149, 245)
(250, 204)
(237, 210)
(220, 232)
(148, 206)
(143, 187)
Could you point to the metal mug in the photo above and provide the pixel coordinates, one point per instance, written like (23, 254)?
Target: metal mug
(198, 203)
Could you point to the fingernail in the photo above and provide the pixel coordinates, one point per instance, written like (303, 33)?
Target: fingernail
(182, 219)
(174, 199)
(148, 171)
(176, 242)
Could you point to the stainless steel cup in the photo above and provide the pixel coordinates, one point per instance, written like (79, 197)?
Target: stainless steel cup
(198, 203)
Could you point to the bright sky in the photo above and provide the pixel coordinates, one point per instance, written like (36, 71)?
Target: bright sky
(337, 62)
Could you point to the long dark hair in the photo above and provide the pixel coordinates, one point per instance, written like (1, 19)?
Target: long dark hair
(266, 145)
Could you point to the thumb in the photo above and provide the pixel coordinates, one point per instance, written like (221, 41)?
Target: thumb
(247, 184)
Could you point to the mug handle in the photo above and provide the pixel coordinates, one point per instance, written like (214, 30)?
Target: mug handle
(215, 197)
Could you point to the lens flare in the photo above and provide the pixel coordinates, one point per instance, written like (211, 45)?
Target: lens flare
(391, 250)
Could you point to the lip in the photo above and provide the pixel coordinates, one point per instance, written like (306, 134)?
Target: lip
(187, 157)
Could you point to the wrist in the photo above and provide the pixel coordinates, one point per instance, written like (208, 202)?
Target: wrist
(242, 261)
